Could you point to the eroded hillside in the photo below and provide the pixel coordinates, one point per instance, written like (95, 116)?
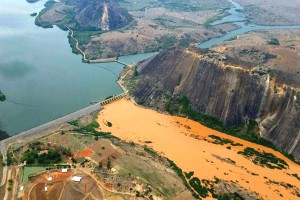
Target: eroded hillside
(235, 94)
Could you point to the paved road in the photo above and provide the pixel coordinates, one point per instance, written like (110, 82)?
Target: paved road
(4, 143)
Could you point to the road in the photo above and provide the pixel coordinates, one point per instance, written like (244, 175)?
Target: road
(31, 132)
(3, 152)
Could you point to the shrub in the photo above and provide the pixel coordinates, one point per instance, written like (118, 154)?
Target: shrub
(274, 41)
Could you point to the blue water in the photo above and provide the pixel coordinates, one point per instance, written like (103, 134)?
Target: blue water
(40, 76)
(240, 19)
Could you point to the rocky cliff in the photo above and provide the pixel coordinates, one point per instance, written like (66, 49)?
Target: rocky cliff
(232, 93)
(83, 15)
(92, 14)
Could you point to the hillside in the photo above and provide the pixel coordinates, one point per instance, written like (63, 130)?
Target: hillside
(108, 29)
(87, 15)
(249, 99)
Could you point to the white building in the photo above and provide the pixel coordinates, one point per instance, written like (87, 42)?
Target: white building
(76, 178)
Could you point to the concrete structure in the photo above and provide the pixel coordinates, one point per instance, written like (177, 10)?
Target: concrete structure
(76, 178)
(112, 99)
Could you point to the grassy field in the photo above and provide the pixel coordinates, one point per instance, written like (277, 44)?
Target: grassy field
(31, 170)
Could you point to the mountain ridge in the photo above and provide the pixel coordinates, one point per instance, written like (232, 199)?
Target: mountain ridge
(234, 94)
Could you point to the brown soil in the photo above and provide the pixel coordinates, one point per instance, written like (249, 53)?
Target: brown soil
(275, 12)
(104, 149)
(252, 48)
(85, 153)
(187, 143)
(61, 187)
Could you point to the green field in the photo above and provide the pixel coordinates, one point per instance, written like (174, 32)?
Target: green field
(31, 170)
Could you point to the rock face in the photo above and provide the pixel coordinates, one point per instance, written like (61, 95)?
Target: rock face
(233, 94)
(90, 14)
(84, 15)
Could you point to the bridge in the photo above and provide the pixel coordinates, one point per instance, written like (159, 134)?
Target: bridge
(121, 63)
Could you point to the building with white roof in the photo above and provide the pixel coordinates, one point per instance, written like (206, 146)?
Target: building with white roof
(76, 178)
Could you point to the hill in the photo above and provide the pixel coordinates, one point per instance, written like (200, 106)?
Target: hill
(246, 101)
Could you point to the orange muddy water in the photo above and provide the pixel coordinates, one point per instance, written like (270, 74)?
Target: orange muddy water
(185, 142)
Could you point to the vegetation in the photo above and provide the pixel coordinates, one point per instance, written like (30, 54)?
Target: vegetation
(10, 184)
(211, 20)
(264, 159)
(180, 6)
(181, 175)
(231, 196)
(180, 105)
(188, 175)
(296, 176)
(274, 41)
(90, 129)
(108, 164)
(166, 41)
(109, 124)
(186, 40)
(36, 145)
(33, 157)
(196, 184)
(2, 96)
(33, 14)
(150, 151)
(32, 1)
(74, 122)
(136, 72)
(222, 141)
(9, 159)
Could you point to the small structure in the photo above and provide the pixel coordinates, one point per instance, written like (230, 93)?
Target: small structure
(80, 160)
(46, 188)
(65, 170)
(50, 178)
(76, 178)
(21, 188)
(43, 152)
(113, 170)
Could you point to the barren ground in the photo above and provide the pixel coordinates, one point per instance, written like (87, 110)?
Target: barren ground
(253, 48)
(275, 12)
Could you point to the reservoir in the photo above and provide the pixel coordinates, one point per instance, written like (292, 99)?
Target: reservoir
(40, 76)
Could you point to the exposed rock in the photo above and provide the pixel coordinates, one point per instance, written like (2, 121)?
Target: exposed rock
(84, 15)
(233, 94)
(223, 188)
(90, 14)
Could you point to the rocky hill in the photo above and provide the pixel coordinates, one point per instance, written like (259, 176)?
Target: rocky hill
(83, 15)
(229, 92)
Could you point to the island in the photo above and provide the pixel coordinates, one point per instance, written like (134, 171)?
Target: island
(33, 14)
(2, 96)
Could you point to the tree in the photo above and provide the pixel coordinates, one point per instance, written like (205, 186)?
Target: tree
(136, 72)
(108, 164)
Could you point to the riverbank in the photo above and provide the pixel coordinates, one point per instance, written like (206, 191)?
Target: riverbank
(189, 145)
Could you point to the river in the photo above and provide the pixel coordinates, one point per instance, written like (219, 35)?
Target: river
(40, 76)
(240, 19)
(42, 79)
